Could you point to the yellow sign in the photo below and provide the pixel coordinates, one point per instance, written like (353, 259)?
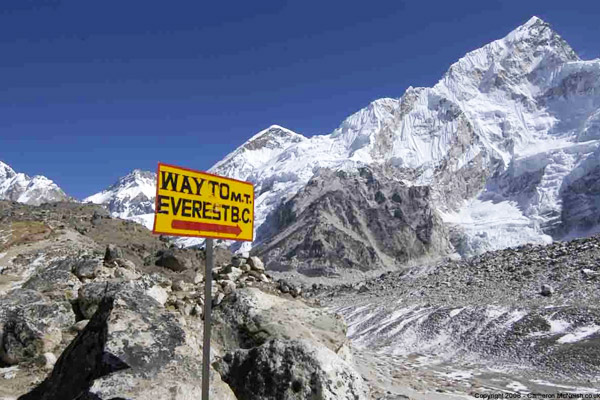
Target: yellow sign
(194, 203)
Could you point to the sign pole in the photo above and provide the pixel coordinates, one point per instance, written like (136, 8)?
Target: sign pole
(207, 321)
(200, 204)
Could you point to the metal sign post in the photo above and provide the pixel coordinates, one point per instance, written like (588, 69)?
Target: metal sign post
(199, 204)
(207, 310)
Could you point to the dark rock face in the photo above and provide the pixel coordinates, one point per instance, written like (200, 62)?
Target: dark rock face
(581, 203)
(290, 369)
(168, 259)
(83, 361)
(359, 221)
(283, 349)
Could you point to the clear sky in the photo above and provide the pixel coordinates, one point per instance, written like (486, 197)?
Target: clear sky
(90, 90)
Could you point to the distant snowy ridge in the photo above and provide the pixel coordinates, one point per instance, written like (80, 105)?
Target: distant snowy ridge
(508, 140)
(30, 190)
(131, 197)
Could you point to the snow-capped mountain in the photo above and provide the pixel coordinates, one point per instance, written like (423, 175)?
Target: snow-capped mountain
(30, 190)
(131, 197)
(508, 142)
(501, 139)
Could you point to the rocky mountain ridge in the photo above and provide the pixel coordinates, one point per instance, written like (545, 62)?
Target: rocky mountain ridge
(507, 141)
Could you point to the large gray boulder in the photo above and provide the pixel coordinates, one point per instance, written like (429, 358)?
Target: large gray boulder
(30, 325)
(169, 259)
(86, 268)
(55, 280)
(163, 349)
(283, 349)
(291, 370)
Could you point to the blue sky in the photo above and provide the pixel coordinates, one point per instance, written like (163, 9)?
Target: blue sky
(90, 90)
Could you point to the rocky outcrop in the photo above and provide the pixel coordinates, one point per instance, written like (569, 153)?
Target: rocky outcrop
(161, 348)
(352, 221)
(291, 369)
(581, 204)
(284, 349)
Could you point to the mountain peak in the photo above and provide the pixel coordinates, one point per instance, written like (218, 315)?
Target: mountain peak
(537, 34)
(131, 195)
(271, 132)
(6, 171)
(24, 189)
(534, 21)
(140, 173)
(134, 178)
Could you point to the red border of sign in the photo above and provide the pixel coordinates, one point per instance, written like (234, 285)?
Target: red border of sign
(207, 173)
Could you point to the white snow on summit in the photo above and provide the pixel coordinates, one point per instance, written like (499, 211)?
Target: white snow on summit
(24, 189)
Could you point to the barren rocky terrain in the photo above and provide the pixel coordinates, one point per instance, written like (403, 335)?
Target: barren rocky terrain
(58, 264)
(518, 320)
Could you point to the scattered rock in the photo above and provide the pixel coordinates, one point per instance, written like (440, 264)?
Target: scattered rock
(112, 253)
(31, 325)
(238, 262)
(284, 287)
(246, 268)
(295, 291)
(256, 264)
(86, 268)
(233, 274)
(127, 274)
(49, 359)
(180, 286)
(228, 286)
(197, 311)
(218, 299)
(80, 325)
(127, 264)
(198, 278)
(55, 280)
(158, 293)
(547, 290)
(168, 259)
